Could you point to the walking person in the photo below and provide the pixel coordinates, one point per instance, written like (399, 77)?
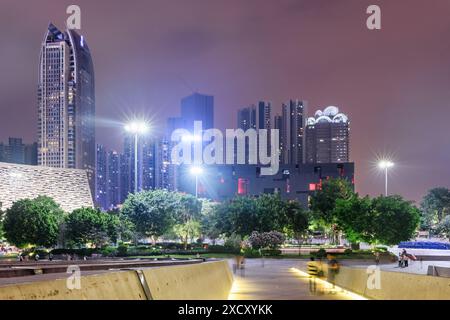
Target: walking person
(377, 258)
(313, 268)
(333, 269)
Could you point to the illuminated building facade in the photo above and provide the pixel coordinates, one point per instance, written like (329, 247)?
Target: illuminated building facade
(328, 137)
(66, 103)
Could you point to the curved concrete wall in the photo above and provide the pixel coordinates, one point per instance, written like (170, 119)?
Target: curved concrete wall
(395, 285)
(205, 281)
(210, 280)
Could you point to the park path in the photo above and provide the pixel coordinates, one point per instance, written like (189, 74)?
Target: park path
(276, 279)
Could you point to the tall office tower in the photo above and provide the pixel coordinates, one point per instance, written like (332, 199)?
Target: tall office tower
(124, 183)
(145, 164)
(264, 115)
(292, 132)
(16, 151)
(31, 152)
(246, 118)
(66, 103)
(2, 152)
(165, 173)
(147, 169)
(101, 195)
(113, 180)
(198, 107)
(278, 125)
(328, 137)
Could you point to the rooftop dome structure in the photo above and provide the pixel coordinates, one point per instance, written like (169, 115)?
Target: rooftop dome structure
(340, 118)
(331, 111)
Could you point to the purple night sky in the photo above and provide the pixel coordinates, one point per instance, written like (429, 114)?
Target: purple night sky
(394, 83)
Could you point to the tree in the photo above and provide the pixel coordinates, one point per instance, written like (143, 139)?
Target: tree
(298, 220)
(152, 212)
(243, 215)
(435, 206)
(395, 219)
(323, 203)
(356, 219)
(444, 227)
(383, 220)
(88, 225)
(187, 215)
(33, 221)
(187, 231)
(208, 220)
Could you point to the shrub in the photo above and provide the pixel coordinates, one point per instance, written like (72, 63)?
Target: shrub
(234, 242)
(271, 252)
(122, 250)
(321, 253)
(348, 251)
(272, 240)
(222, 249)
(108, 251)
(251, 253)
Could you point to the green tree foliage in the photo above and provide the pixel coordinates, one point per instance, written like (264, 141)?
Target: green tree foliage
(355, 217)
(88, 225)
(243, 215)
(382, 220)
(396, 219)
(297, 220)
(435, 207)
(187, 231)
(152, 212)
(443, 228)
(33, 221)
(187, 217)
(209, 219)
(323, 201)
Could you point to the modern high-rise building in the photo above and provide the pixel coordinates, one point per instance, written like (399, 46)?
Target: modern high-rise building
(113, 179)
(328, 137)
(101, 191)
(246, 118)
(31, 154)
(66, 103)
(198, 107)
(17, 152)
(292, 132)
(264, 115)
(145, 164)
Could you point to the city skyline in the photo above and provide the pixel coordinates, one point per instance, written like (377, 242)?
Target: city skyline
(387, 106)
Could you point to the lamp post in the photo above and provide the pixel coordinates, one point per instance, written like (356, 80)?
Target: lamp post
(196, 171)
(136, 128)
(385, 165)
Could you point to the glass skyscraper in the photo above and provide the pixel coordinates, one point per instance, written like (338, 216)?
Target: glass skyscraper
(66, 103)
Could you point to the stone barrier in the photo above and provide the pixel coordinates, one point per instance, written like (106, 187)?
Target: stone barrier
(209, 280)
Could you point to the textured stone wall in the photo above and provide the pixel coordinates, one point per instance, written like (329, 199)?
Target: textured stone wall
(68, 187)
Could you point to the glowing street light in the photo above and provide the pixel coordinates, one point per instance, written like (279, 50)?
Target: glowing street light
(196, 171)
(136, 128)
(385, 165)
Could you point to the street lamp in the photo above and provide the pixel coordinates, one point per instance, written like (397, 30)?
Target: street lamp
(196, 171)
(136, 128)
(385, 165)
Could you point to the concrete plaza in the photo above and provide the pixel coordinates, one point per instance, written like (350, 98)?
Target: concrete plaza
(278, 279)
